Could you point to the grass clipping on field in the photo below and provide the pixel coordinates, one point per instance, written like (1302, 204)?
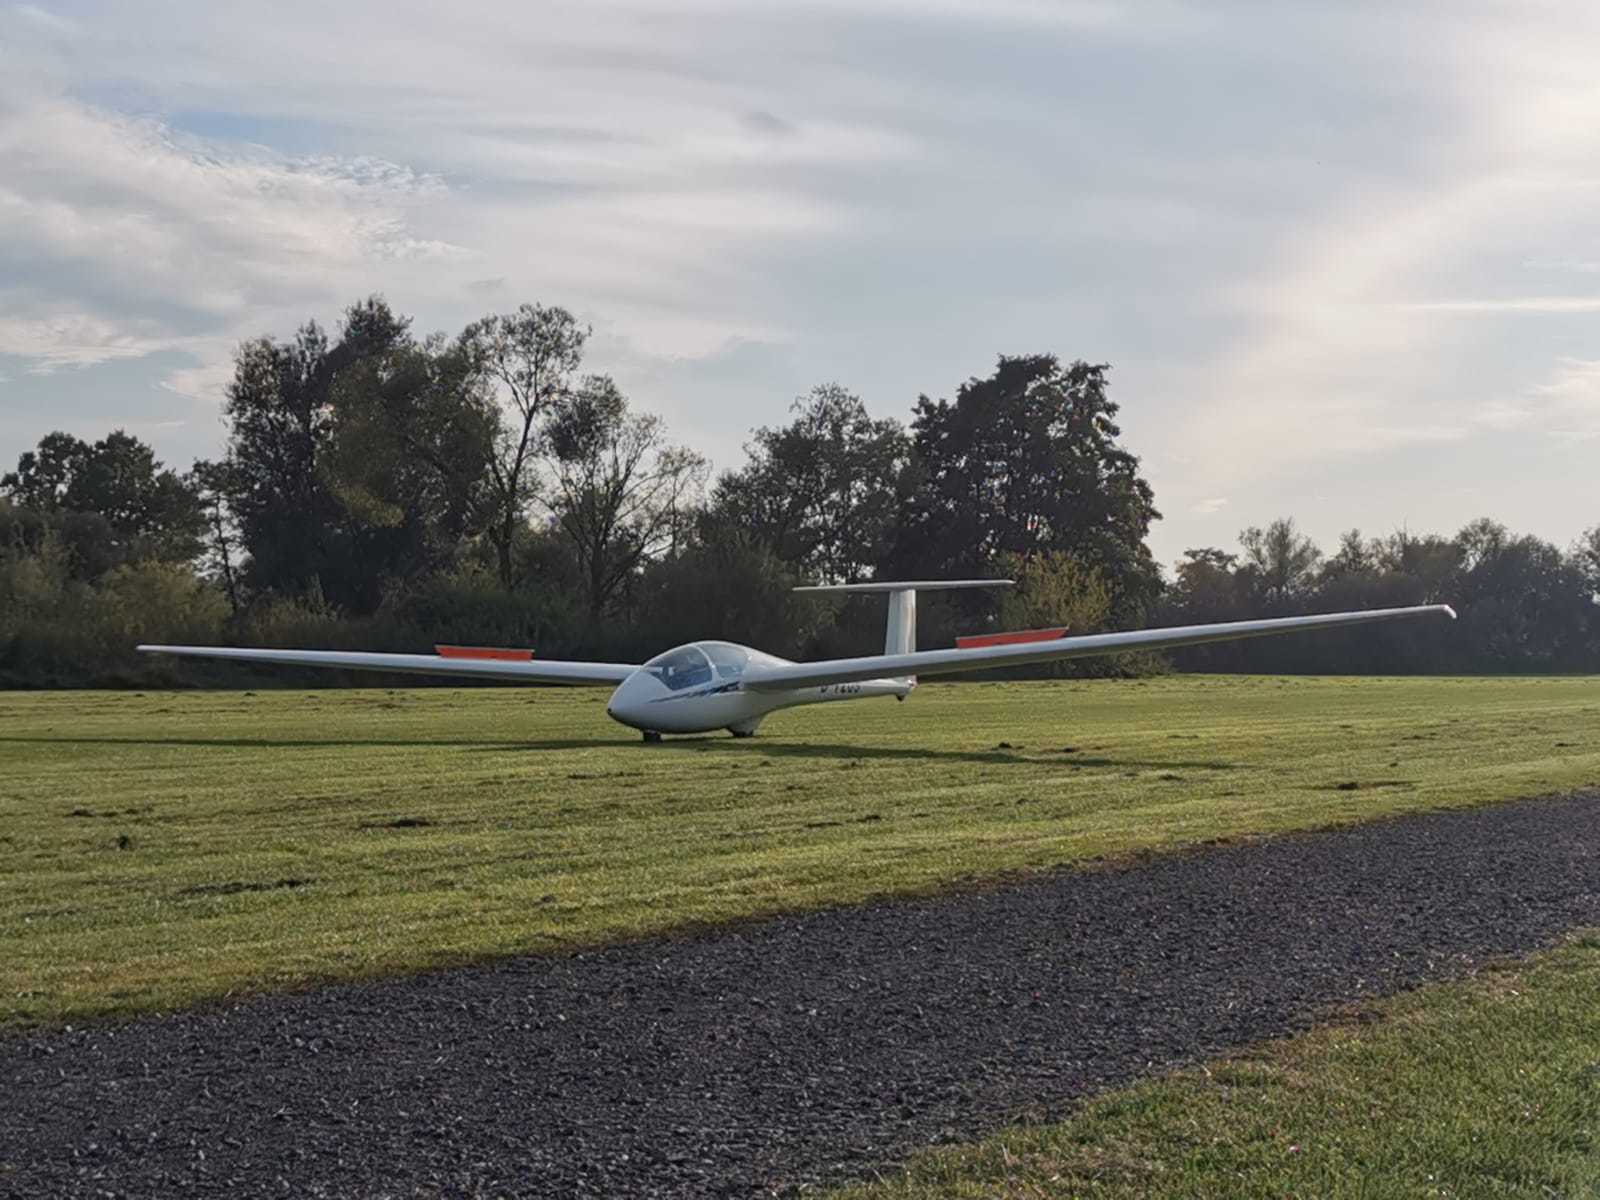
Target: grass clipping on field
(1489, 1087)
(158, 850)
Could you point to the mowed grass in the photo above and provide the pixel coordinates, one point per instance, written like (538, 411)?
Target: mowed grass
(162, 849)
(1489, 1087)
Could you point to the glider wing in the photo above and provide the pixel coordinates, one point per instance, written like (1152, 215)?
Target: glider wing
(477, 667)
(939, 662)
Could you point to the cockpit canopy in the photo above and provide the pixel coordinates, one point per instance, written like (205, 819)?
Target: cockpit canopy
(690, 666)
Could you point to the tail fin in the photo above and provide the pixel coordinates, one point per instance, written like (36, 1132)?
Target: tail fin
(900, 635)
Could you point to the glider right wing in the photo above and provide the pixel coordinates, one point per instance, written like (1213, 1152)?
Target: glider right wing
(940, 662)
(497, 666)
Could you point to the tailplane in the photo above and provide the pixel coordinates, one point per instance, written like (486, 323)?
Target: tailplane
(900, 634)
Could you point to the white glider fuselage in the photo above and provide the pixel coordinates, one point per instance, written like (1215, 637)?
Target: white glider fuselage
(699, 687)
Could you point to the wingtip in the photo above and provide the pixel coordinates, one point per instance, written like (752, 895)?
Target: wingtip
(1448, 611)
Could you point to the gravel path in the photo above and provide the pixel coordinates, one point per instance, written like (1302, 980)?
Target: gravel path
(800, 1049)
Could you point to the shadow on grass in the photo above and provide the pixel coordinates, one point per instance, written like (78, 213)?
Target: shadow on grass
(299, 743)
(772, 748)
(679, 745)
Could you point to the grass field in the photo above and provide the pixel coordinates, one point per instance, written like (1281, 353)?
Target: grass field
(1489, 1087)
(162, 849)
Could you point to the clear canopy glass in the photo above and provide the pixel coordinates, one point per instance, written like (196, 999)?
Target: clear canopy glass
(681, 668)
(729, 660)
(688, 666)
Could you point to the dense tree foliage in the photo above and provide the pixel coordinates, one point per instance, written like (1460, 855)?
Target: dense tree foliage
(298, 537)
(1025, 462)
(384, 490)
(110, 501)
(529, 358)
(1524, 605)
(822, 491)
(622, 495)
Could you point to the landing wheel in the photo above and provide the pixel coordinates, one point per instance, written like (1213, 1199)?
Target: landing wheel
(650, 735)
(742, 732)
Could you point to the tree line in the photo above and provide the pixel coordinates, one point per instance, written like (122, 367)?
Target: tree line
(386, 490)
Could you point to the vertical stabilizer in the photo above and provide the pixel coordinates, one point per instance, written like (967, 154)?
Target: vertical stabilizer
(900, 635)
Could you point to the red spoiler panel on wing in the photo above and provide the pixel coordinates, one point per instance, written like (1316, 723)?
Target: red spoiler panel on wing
(491, 653)
(1017, 638)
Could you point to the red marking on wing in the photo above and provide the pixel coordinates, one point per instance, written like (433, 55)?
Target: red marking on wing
(973, 641)
(484, 652)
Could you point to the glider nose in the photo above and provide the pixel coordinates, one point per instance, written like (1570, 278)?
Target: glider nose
(624, 705)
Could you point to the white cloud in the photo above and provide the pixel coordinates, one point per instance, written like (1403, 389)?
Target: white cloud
(1518, 304)
(47, 22)
(1567, 403)
(1336, 358)
(206, 382)
(73, 340)
(1304, 234)
(126, 237)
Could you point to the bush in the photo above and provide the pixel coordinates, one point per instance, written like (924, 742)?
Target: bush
(57, 631)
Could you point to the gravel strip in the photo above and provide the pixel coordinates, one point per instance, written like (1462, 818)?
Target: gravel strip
(802, 1049)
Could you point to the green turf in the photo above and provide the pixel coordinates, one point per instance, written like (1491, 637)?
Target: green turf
(160, 849)
(1489, 1087)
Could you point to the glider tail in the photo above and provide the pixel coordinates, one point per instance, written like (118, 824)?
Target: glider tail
(900, 634)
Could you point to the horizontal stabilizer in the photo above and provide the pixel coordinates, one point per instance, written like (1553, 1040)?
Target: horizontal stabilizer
(908, 585)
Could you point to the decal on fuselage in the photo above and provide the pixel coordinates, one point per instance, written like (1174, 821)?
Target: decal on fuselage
(719, 689)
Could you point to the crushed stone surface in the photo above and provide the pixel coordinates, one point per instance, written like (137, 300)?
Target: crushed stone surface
(795, 1052)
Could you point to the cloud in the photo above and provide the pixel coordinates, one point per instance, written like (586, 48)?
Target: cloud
(47, 22)
(207, 380)
(1275, 221)
(1567, 403)
(122, 237)
(1521, 304)
(1579, 265)
(77, 339)
(765, 123)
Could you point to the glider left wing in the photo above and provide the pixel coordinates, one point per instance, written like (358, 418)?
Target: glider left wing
(521, 671)
(940, 662)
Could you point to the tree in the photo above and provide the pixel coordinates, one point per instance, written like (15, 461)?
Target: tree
(1587, 555)
(1355, 557)
(1281, 560)
(621, 491)
(1206, 588)
(1054, 589)
(727, 583)
(1524, 605)
(530, 358)
(822, 490)
(214, 485)
(410, 446)
(280, 412)
(43, 475)
(1025, 461)
(144, 511)
(1434, 562)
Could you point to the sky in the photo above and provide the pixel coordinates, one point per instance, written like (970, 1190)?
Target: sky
(1343, 259)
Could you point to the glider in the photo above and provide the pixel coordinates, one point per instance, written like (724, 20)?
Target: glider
(708, 685)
